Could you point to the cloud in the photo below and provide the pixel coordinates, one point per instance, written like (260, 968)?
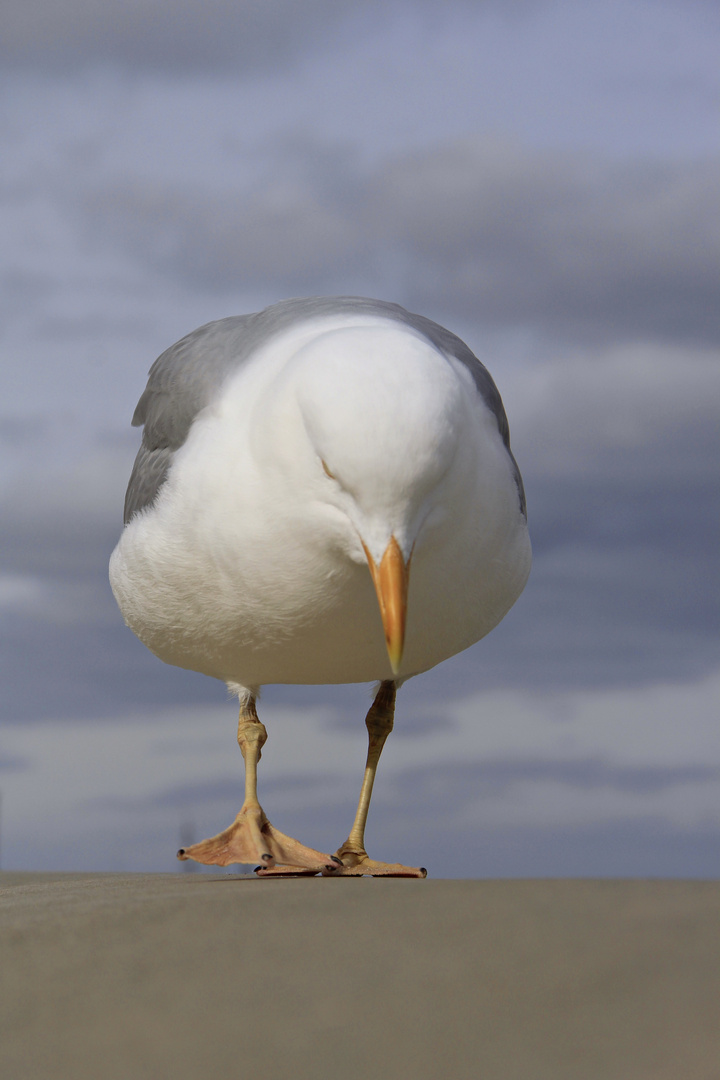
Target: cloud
(64, 650)
(184, 37)
(243, 36)
(58, 512)
(457, 785)
(568, 246)
(288, 236)
(564, 781)
(558, 240)
(618, 450)
(627, 414)
(20, 592)
(13, 764)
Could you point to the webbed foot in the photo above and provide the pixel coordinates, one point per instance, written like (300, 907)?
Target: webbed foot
(252, 839)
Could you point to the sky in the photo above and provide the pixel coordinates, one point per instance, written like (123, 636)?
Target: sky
(540, 176)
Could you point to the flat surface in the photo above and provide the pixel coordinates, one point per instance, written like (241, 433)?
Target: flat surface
(191, 975)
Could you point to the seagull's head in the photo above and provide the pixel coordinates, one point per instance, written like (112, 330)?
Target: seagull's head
(377, 444)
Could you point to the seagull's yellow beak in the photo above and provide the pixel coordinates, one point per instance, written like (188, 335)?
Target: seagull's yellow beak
(391, 585)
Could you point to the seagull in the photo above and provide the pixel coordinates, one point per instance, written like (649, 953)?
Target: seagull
(325, 493)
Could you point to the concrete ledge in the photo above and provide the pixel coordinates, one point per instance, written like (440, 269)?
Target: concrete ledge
(143, 977)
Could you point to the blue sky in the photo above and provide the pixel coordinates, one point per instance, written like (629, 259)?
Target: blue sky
(542, 178)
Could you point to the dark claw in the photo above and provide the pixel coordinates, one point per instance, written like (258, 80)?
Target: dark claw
(336, 860)
(265, 857)
(424, 870)
(330, 868)
(256, 869)
(181, 853)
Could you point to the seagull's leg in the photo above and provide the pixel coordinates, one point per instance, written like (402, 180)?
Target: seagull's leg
(251, 837)
(379, 722)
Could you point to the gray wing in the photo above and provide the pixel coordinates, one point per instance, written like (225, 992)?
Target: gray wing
(182, 382)
(190, 374)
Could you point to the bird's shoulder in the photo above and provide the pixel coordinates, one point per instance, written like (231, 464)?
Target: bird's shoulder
(185, 378)
(181, 383)
(188, 376)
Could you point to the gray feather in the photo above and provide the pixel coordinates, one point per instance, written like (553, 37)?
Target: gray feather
(189, 375)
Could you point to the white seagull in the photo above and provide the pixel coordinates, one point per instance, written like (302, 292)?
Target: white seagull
(324, 493)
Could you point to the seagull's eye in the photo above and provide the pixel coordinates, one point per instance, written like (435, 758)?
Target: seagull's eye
(326, 470)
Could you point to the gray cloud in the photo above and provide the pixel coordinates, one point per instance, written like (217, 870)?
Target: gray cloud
(486, 780)
(623, 848)
(9, 763)
(434, 817)
(405, 824)
(556, 241)
(63, 648)
(634, 846)
(88, 671)
(224, 790)
(243, 36)
(292, 237)
(455, 784)
(573, 248)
